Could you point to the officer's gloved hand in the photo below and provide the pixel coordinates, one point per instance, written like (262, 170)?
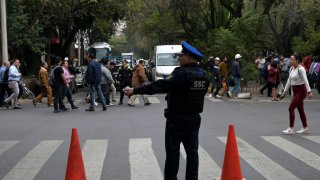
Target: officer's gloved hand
(128, 91)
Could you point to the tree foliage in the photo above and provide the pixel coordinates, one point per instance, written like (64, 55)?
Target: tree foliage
(31, 23)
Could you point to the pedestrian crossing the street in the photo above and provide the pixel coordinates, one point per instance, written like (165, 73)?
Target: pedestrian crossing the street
(144, 163)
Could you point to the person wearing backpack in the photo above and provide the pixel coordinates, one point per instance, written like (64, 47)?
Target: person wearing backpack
(317, 71)
(265, 76)
(4, 76)
(58, 81)
(299, 84)
(314, 72)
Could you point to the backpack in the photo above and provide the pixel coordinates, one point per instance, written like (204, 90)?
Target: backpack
(6, 75)
(316, 68)
(265, 72)
(51, 76)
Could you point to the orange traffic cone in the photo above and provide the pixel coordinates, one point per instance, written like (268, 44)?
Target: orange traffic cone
(75, 167)
(231, 166)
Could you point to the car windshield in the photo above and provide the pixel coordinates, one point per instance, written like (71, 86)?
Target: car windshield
(167, 60)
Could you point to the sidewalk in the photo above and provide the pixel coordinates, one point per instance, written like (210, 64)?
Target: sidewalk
(256, 96)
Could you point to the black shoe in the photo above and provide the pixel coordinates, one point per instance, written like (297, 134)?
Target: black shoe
(56, 111)
(261, 92)
(34, 103)
(17, 107)
(74, 107)
(64, 109)
(147, 103)
(114, 100)
(5, 104)
(120, 103)
(90, 109)
(104, 108)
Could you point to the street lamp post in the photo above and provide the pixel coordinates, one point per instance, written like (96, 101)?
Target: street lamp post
(4, 31)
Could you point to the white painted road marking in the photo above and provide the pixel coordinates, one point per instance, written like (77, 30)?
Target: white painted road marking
(94, 153)
(28, 167)
(260, 162)
(154, 100)
(143, 162)
(213, 99)
(296, 151)
(208, 168)
(313, 138)
(5, 145)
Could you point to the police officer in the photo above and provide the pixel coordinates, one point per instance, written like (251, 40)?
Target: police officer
(186, 88)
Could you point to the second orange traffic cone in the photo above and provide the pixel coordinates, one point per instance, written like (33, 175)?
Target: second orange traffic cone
(75, 167)
(231, 166)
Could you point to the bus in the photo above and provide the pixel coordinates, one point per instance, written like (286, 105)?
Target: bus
(129, 58)
(103, 50)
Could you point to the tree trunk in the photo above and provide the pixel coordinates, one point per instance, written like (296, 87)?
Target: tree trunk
(213, 18)
(68, 41)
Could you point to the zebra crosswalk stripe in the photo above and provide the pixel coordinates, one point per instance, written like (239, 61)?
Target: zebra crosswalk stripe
(28, 167)
(94, 153)
(154, 100)
(313, 138)
(5, 145)
(208, 168)
(143, 162)
(213, 99)
(260, 162)
(296, 151)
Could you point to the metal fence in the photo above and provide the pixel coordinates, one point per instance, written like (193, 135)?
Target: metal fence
(251, 86)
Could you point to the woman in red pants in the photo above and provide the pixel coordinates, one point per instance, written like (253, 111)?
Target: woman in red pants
(299, 83)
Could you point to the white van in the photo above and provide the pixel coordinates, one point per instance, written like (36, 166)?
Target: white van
(163, 60)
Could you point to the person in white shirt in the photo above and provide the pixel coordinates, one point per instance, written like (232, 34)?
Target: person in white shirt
(300, 86)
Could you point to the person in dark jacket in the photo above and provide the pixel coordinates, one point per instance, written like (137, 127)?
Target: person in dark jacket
(94, 80)
(125, 77)
(59, 83)
(265, 70)
(185, 88)
(4, 88)
(235, 70)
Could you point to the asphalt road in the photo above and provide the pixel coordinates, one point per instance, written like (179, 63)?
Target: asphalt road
(128, 142)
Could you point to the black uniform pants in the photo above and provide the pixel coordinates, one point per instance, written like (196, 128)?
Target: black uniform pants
(182, 129)
(58, 93)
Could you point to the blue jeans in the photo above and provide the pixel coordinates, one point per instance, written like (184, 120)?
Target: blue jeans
(93, 87)
(236, 89)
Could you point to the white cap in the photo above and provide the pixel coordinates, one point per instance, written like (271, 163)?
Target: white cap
(238, 56)
(217, 59)
(66, 59)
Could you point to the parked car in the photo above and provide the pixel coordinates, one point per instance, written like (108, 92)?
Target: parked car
(81, 76)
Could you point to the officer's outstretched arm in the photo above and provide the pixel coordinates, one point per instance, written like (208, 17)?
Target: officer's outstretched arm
(177, 79)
